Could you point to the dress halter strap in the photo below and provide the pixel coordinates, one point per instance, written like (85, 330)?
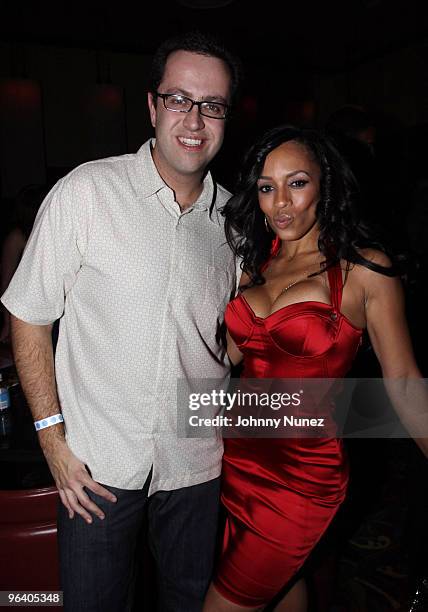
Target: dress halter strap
(274, 250)
(336, 285)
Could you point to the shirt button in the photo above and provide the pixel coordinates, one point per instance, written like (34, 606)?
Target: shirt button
(333, 316)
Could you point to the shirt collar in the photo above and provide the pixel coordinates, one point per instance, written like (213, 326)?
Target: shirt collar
(150, 179)
(151, 182)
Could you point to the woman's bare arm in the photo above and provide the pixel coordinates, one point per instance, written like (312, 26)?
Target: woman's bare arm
(389, 335)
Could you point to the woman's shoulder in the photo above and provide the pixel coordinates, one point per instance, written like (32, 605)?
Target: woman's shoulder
(370, 256)
(375, 256)
(244, 281)
(369, 278)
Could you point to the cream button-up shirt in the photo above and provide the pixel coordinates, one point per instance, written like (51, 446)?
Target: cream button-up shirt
(141, 289)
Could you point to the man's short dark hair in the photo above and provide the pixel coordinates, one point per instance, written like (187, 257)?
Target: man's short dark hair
(202, 44)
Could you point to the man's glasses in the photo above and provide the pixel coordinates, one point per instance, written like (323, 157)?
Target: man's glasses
(181, 104)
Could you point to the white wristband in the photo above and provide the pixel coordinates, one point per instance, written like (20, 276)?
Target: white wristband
(49, 421)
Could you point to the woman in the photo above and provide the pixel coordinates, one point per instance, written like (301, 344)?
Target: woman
(303, 305)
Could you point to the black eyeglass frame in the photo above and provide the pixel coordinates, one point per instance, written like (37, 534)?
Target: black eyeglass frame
(164, 96)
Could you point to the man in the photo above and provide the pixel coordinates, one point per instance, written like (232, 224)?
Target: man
(130, 253)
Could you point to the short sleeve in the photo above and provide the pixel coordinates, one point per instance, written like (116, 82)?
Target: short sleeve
(53, 254)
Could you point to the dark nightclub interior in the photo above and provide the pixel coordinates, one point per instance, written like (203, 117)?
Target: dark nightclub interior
(73, 88)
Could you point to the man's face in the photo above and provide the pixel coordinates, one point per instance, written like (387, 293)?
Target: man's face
(187, 142)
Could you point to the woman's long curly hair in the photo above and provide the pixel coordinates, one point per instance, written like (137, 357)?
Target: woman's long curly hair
(341, 233)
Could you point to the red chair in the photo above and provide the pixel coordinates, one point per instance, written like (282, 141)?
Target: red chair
(28, 540)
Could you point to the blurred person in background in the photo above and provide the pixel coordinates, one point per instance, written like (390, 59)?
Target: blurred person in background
(27, 204)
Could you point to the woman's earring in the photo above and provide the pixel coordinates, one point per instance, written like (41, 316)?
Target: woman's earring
(267, 224)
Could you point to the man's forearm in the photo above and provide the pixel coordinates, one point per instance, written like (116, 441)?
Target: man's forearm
(33, 353)
(32, 347)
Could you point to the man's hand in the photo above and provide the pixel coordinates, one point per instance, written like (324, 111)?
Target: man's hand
(71, 476)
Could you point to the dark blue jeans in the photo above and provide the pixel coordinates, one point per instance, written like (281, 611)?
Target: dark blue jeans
(97, 561)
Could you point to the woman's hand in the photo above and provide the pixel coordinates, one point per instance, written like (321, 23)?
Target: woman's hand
(233, 351)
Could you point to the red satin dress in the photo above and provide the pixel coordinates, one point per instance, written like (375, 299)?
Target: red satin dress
(281, 494)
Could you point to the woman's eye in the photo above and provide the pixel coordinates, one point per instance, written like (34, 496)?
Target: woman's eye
(299, 183)
(265, 188)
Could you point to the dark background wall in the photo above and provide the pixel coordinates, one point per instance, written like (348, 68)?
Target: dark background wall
(73, 87)
(73, 79)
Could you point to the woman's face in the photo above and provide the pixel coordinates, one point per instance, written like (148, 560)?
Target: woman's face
(289, 190)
